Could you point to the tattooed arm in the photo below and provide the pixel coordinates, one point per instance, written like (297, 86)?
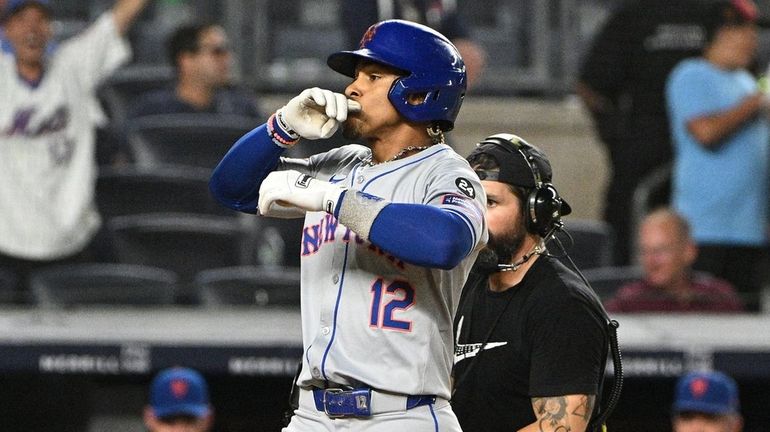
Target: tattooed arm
(569, 413)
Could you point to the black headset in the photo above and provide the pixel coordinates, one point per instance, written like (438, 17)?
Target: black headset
(543, 205)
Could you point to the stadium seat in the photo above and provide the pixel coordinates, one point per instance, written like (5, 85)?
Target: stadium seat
(131, 190)
(182, 242)
(606, 280)
(249, 286)
(102, 284)
(184, 139)
(588, 242)
(10, 292)
(121, 89)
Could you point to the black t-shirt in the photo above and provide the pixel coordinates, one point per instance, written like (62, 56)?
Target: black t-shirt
(549, 341)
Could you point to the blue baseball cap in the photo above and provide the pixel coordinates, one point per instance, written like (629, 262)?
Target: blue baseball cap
(179, 391)
(14, 6)
(707, 392)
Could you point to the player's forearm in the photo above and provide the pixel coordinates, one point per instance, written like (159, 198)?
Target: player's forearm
(236, 179)
(125, 12)
(422, 235)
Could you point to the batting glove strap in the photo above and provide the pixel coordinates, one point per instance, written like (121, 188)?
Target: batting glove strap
(358, 210)
(279, 132)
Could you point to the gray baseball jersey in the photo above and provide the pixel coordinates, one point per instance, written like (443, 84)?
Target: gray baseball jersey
(368, 318)
(47, 138)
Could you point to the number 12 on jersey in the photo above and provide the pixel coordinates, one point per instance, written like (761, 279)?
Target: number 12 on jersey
(386, 300)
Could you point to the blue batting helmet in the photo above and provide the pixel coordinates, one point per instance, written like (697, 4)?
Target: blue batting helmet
(430, 62)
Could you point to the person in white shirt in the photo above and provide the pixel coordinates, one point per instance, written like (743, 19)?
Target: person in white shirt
(48, 115)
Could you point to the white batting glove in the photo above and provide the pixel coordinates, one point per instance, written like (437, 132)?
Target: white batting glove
(316, 113)
(289, 188)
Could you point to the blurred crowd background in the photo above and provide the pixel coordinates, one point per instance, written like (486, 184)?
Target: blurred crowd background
(532, 53)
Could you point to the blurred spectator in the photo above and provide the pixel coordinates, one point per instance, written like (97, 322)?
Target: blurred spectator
(666, 252)
(48, 115)
(622, 82)
(441, 15)
(720, 133)
(706, 402)
(3, 42)
(179, 402)
(203, 60)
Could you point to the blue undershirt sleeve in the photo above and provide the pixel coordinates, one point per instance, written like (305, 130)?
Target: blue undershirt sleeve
(236, 179)
(422, 235)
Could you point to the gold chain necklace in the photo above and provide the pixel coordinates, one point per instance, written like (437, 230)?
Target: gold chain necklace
(368, 161)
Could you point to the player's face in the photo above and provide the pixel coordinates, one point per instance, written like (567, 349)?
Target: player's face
(694, 422)
(664, 254)
(505, 220)
(29, 31)
(370, 88)
(212, 63)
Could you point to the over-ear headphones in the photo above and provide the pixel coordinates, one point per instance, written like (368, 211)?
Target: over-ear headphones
(543, 206)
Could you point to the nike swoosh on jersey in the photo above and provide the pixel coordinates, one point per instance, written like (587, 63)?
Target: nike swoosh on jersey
(336, 180)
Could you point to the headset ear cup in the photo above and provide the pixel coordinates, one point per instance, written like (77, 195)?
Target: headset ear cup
(532, 219)
(544, 210)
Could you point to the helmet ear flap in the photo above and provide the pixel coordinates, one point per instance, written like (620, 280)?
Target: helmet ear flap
(441, 104)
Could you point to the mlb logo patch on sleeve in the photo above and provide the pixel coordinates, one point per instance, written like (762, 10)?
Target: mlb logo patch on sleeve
(461, 201)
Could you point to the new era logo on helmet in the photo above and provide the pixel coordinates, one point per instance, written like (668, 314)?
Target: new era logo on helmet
(303, 181)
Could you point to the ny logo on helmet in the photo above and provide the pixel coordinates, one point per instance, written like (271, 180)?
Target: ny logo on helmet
(368, 36)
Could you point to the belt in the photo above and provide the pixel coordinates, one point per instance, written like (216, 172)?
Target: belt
(363, 402)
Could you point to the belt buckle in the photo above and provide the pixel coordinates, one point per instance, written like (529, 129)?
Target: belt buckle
(326, 406)
(349, 403)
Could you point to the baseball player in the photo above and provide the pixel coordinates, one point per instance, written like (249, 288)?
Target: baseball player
(391, 230)
(48, 115)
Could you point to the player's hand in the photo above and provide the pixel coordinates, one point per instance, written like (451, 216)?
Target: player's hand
(284, 189)
(317, 113)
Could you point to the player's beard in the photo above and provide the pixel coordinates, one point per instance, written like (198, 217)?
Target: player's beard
(351, 129)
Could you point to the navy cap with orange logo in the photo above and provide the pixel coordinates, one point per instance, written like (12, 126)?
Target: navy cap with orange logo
(707, 392)
(179, 391)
